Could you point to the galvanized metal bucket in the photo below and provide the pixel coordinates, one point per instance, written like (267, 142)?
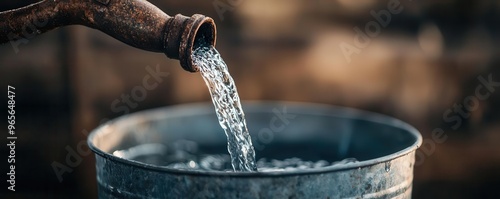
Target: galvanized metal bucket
(385, 148)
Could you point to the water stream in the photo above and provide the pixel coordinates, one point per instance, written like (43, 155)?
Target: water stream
(227, 105)
(185, 154)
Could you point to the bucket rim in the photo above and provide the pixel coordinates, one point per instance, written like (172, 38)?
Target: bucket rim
(193, 108)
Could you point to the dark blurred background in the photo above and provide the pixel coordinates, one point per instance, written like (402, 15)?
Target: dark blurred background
(427, 60)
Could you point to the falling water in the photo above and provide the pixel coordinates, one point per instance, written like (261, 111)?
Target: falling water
(227, 105)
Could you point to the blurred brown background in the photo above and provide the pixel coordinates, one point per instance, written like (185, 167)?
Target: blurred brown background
(427, 59)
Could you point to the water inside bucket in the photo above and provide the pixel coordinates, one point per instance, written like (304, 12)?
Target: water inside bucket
(185, 155)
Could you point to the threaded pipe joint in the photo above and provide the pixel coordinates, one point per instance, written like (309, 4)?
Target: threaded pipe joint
(182, 32)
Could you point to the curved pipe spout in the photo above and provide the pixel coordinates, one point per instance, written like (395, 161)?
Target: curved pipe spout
(135, 22)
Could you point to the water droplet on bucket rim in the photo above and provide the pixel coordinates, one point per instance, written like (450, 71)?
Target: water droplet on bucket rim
(387, 166)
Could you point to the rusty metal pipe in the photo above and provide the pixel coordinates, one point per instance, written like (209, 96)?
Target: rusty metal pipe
(135, 22)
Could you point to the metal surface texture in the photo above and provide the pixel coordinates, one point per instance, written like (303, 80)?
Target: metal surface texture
(385, 148)
(135, 22)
